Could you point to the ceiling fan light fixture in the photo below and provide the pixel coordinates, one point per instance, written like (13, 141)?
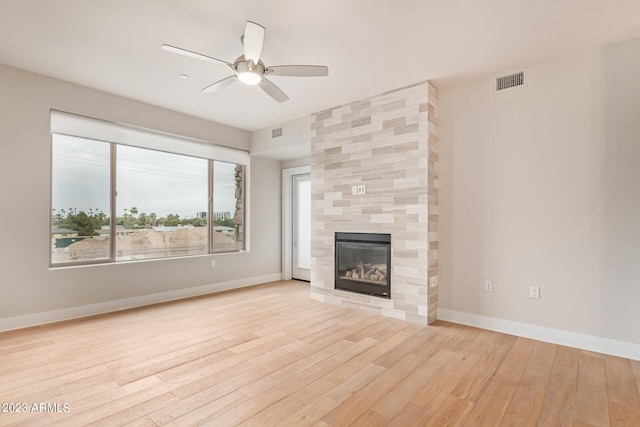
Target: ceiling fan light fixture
(249, 69)
(248, 72)
(249, 77)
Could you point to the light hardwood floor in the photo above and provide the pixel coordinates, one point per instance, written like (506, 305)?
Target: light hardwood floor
(268, 355)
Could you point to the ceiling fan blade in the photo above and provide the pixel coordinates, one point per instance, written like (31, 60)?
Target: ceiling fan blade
(219, 84)
(253, 41)
(299, 70)
(273, 91)
(193, 55)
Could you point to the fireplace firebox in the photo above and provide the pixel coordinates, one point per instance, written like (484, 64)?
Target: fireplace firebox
(363, 263)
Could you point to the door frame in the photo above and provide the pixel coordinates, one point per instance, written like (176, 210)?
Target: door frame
(287, 217)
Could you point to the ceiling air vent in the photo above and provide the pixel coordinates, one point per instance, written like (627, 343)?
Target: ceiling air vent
(276, 132)
(510, 81)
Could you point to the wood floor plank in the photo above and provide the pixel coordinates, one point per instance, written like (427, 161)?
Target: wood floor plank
(314, 383)
(300, 361)
(621, 384)
(623, 415)
(168, 370)
(472, 385)
(345, 389)
(192, 411)
(336, 365)
(391, 329)
(411, 416)
(392, 357)
(451, 413)
(269, 355)
(592, 404)
(246, 409)
(445, 336)
(122, 402)
(421, 379)
(310, 414)
(221, 381)
(25, 420)
(447, 377)
(187, 357)
(635, 366)
(48, 389)
(133, 413)
(558, 406)
(371, 419)
(361, 401)
(526, 403)
(514, 363)
(492, 404)
(141, 422)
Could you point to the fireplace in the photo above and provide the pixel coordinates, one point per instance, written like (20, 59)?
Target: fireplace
(363, 263)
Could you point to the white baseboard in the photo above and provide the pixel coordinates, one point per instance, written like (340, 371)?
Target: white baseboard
(612, 347)
(36, 319)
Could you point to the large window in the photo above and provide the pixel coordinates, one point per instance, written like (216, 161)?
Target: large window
(161, 204)
(113, 201)
(80, 199)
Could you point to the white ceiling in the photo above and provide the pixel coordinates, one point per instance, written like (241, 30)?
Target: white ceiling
(370, 46)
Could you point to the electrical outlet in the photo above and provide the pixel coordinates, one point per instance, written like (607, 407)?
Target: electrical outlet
(354, 190)
(488, 286)
(534, 292)
(213, 263)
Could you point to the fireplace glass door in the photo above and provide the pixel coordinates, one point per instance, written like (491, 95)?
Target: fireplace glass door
(363, 263)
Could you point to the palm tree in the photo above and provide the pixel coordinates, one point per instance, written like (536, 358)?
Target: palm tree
(142, 219)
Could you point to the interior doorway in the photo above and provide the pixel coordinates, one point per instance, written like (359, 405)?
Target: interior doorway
(301, 246)
(296, 223)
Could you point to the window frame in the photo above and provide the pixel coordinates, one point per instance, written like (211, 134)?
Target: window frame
(116, 134)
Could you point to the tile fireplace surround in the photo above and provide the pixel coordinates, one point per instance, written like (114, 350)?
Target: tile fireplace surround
(389, 144)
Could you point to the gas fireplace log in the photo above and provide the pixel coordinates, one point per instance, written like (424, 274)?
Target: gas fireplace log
(361, 269)
(373, 275)
(371, 272)
(368, 271)
(381, 267)
(354, 273)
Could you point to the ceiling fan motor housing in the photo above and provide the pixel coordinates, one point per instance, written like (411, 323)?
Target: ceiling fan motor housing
(249, 72)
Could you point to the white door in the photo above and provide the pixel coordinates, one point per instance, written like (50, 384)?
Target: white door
(301, 262)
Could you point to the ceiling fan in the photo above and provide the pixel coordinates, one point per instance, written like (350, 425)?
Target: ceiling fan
(249, 69)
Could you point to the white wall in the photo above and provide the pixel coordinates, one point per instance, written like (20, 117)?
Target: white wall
(294, 163)
(294, 142)
(541, 186)
(28, 286)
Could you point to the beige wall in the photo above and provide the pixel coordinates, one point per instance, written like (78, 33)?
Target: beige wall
(541, 186)
(27, 285)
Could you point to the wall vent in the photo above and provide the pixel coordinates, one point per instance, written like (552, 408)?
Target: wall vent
(510, 81)
(276, 132)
